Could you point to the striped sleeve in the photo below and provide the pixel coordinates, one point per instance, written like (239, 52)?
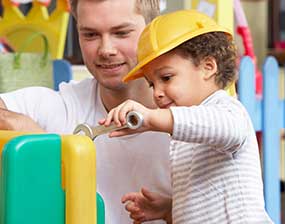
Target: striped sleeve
(218, 125)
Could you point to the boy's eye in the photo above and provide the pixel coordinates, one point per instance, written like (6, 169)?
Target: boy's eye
(166, 78)
(150, 84)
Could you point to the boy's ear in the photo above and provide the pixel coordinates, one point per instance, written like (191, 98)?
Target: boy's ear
(209, 66)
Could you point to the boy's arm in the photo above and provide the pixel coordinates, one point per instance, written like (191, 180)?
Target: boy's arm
(161, 120)
(224, 126)
(10, 120)
(153, 119)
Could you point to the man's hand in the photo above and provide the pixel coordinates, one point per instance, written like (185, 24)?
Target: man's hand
(146, 206)
(16, 122)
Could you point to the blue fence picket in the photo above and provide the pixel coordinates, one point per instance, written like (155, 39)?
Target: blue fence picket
(246, 92)
(272, 124)
(267, 115)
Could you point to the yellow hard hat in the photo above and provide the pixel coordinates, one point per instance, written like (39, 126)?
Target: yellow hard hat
(168, 31)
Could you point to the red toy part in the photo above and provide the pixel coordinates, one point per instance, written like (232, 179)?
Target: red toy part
(244, 32)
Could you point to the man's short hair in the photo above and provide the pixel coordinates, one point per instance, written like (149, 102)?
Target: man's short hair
(149, 9)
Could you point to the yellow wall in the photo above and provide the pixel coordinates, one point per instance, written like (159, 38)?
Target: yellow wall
(256, 14)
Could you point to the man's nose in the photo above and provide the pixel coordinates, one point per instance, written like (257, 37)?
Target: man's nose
(107, 48)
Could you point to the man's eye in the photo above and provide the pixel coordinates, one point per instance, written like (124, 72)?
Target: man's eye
(150, 84)
(89, 35)
(123, 33)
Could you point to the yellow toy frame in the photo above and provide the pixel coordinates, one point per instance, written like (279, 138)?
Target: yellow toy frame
(15, 26)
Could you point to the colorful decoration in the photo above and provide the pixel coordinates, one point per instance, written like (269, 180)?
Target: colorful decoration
(15, 26)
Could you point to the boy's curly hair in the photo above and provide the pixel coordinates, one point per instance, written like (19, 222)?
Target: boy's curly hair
(217, 45)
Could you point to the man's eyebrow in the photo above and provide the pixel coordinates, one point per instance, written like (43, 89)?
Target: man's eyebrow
(85, 28)
(118, 27)
(123, 26)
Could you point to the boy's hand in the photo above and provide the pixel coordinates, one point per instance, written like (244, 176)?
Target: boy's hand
(118, 116)
(153, 119)
(146, 206)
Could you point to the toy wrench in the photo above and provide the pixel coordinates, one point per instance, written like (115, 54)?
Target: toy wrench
(134, 121)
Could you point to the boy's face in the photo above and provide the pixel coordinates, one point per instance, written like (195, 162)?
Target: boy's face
(176, 81)
(108, 35)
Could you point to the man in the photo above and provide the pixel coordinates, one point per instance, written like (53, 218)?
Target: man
(108, 35)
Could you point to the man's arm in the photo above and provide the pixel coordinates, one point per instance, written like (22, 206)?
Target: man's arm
(10, 120)
(2, 104)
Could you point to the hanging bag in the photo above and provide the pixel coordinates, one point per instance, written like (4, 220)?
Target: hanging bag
(23, 69)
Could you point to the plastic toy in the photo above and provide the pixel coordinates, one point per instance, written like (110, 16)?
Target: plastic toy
(15, 26)
(244, 31)
(47, 178)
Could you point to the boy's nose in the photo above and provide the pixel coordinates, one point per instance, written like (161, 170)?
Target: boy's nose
(107, 48)
(158, 93)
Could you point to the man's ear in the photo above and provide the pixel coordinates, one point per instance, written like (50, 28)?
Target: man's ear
(209, 67)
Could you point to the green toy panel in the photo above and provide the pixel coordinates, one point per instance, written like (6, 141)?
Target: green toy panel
(100, 209)
(30, 181)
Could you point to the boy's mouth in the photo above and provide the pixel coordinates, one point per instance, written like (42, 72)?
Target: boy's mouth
(165, 105)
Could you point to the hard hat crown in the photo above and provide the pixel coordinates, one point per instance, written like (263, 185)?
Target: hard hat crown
(168, 31)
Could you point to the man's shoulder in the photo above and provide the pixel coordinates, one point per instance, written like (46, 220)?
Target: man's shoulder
(79, 93)
(82, 88)
(81, 85)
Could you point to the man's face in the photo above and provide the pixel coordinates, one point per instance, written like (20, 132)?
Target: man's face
(108, 35)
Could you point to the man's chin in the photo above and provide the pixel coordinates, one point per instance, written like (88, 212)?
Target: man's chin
(115, 86)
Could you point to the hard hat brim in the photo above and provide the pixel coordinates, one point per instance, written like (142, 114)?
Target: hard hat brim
(136, 72)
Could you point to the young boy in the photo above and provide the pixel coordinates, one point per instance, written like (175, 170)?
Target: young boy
(188, 60)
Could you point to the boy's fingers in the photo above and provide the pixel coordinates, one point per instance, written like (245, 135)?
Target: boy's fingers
(121, 133)
(102, 121)
(115, 117)
(138, 217)
(123, 113)
(130, 207)
(109, 118)
(116, 134)
(148, 194)
(128, 197)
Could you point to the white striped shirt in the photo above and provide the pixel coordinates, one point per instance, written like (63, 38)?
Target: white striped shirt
(215, 165)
